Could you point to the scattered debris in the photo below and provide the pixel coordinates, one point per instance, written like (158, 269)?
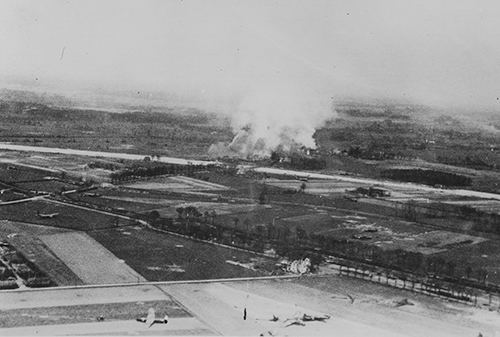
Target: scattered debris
(351, 298)
(299, 266)
(361, 237)
(309, 318)
(403, 302)
(347, 296)
(295, 323)
(306, 318)
(244, 265)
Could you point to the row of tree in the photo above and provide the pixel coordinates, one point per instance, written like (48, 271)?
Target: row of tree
(153, 170)
(428, 177)
(415, 263)
(298, 243)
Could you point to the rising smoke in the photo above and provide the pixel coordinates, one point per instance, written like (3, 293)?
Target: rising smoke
(280, 116)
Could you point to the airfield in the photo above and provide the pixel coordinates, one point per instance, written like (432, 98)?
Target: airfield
(103, 258)
(216, 308)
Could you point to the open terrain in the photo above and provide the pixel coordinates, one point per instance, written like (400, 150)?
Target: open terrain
(90, 261)
(71, 311)
(159, 256)
(67, 216)
(122, 203)
(217, 308)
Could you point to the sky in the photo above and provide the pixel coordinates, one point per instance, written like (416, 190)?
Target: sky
(444, 53)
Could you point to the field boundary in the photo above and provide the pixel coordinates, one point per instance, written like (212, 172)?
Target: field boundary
(155, 283)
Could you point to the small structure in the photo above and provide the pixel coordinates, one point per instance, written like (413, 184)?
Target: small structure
(373, 191)
(378, 192)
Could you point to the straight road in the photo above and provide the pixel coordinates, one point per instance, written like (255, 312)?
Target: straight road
(383, 183)
(115, 155)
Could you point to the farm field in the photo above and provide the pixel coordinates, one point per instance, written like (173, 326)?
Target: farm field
(387, 233)
(31, 166)
(140, 200)
(69, 217)
(9, 195)
(74, 166)
(489, 206)
(159, 256)
(11, 172)
(120, 203)
(261, 215)
(220, 208)
(312, 186)
(49, 186)
(26, 239)
(111, 237)
(484, 255)
(128, 194)
(176, 184)
(321, 210)
(90, 261)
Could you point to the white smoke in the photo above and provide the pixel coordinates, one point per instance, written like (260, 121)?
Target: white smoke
(280, 115)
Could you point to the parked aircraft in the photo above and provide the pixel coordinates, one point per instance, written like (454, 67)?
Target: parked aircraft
(151, 318)
(47, 215)
(305, 318)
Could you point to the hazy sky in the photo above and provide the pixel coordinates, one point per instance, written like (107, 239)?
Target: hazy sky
(438, 52)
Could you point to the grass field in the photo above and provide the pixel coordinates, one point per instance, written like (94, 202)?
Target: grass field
(160, 257)
(488, 206)
(118, 203)
(387, 233)
(9, 195)
(89, 260)
(88, 313)
(50, 186)
(483, 255)
(10, 173)
(68, 216)
(312, 186)
(175, 184)
(73, 165)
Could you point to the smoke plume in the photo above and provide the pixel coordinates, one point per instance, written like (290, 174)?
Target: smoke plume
(280, 116)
